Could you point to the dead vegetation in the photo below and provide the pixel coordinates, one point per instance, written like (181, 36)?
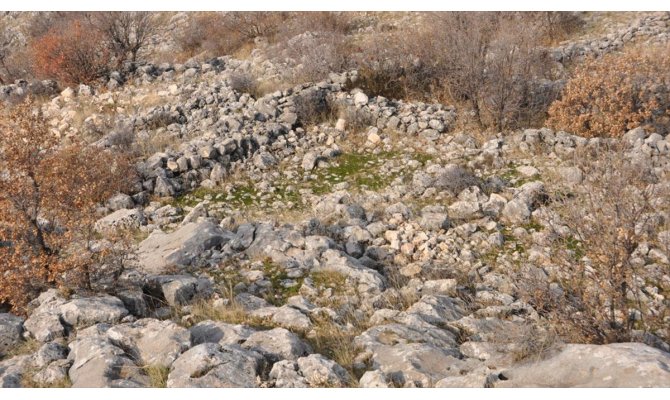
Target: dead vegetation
(595, 294)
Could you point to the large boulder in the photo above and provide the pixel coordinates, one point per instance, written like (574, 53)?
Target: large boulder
(526, 199)
(44, 322)
(219, 332)
(278, 344)
(121, 219)
(320, 371)
(151, 342)
(92, 310)
(178, 290)
(161, 251)
(11, 328)
(582, 365)
(11, 371)
(55, 315)
(417, 364)
(367, 281)
(211, 365)
(96, 363)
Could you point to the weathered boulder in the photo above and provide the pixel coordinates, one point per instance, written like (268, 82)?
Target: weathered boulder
(581, 365)
(200, 210)
(178, 290)
(243, 237)
(320, 371)
(151, 342)
(55, 314)
(309, 161)
(45, 326)
(285, 316)
(11, 329)
(360, 99)
(373, 379)
(11, 371)
(416, 364)
(436, 309)
(54, 373)
(92, 310)
(96, 363)
(367, 281)
(285, 375)
(277, 344)
(526, 199)
(214, 366)
(161, 250)
(219, 332)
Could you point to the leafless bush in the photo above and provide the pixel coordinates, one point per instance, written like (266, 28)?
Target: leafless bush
(357, 119)
(319, 21)
(243, 82)
(313, 55)
(558, 25)
(217, 34)
(313, 107)
(595, 293)
(487, 62)
(126, 33)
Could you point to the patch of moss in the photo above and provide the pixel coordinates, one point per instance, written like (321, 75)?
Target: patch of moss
(191, 199)
(244, 195)
(329, 279)
(533, 225)
(575, 246)
(278, 294)
(423, 158)
(360, 170)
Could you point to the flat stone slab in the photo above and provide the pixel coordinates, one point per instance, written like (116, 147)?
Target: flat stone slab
(161, 250)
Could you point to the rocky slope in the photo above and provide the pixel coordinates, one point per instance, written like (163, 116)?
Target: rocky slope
(316, 236)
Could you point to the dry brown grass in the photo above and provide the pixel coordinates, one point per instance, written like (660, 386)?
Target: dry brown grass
(529, 342)
(28, 346)
(158, 375)
(232, 313)
(28, 382)
(336, 342)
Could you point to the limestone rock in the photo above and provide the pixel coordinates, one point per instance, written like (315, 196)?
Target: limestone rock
(11, 329)
(179, 248)
(580, 365)
(211, 365)
(277, 344)
(151, 342)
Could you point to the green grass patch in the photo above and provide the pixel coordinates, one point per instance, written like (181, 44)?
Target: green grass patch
(278, 294)
(359, 170)
(575, 246)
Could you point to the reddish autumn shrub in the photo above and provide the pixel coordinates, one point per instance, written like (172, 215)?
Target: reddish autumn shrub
(72, 52)
(48, 194)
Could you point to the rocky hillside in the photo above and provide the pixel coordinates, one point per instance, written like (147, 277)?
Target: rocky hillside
(319, 236)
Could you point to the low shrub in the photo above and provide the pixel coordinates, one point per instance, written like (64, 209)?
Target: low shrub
(609, 95)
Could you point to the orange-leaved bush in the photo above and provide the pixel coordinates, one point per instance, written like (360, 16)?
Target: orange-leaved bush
(73, 52)
(48, 194)
(614, 93)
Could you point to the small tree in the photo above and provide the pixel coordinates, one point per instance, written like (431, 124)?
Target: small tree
(127, 33)
(48, 192)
